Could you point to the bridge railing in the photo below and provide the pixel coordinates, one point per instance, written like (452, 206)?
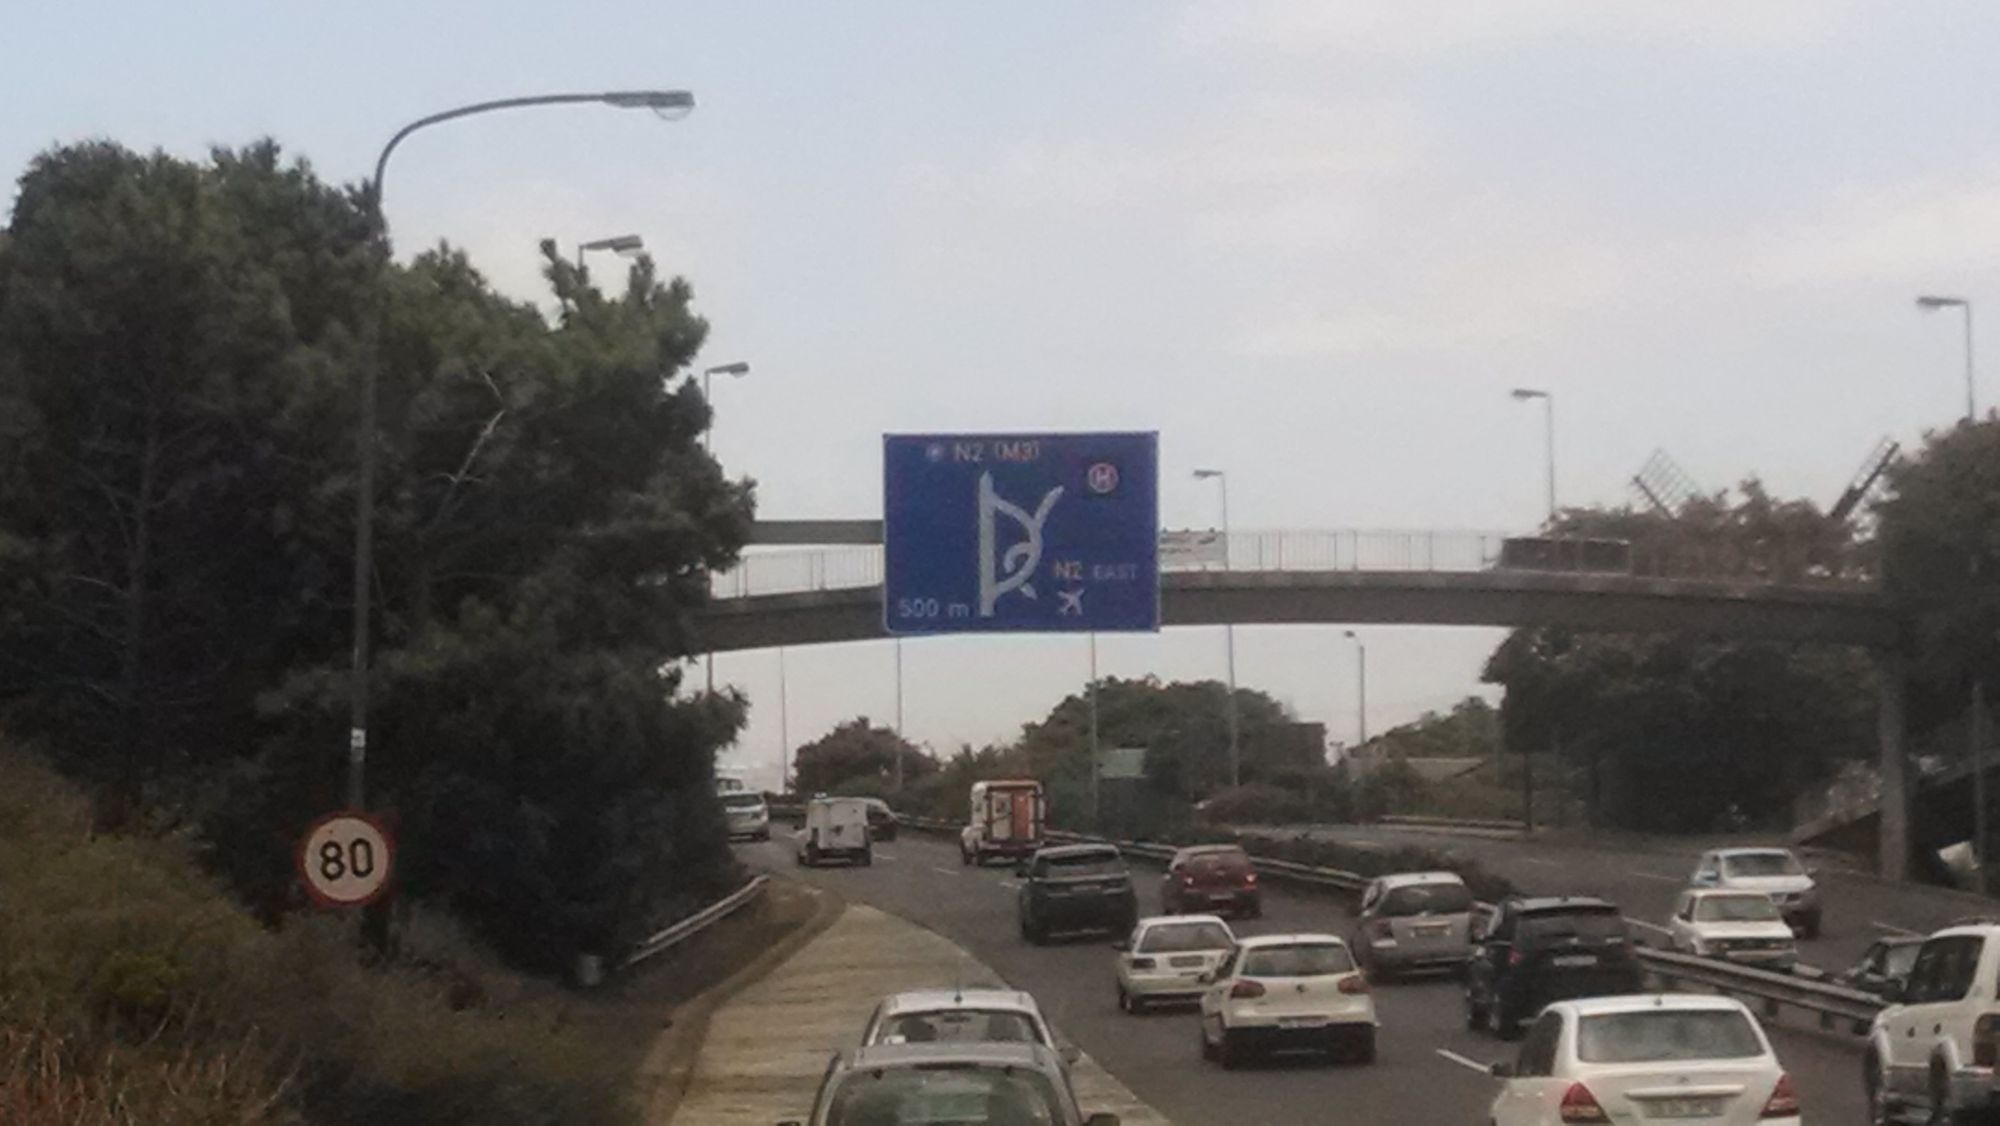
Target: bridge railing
(790, 571)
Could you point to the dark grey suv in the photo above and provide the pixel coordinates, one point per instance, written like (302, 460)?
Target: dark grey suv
(1076, 888)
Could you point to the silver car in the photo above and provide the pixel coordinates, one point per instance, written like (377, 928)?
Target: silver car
(962, 1016)
(1774, 871)
(970, 1084)
(1414, 921)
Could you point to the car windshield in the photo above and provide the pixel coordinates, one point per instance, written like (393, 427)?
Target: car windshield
(1667, 1034)
(959, 1026)
(1232, 859)
(1440, 898)
(932, 1096)
(1596, 923)
(1174, 938)
(1304, 959)
(1897, 960)
(742, 801)
(1754, 864)
(1735, 909)
(1086, 864)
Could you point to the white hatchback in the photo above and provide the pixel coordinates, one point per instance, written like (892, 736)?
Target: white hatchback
(1166, 956)
(1646, 1057)
(1736, 926)
(1287, 992)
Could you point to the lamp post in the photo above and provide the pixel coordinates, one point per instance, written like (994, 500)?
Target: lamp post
(1523, 394)
(1096, 766)
(784, 726)
(1975, 736)
(736, 369)
(1360, 687)
(668, 104)
(1221, 480)
(617, 244)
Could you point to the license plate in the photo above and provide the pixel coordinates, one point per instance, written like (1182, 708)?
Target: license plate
(1574, 960)
(1196, 961)
(1432, 931)
(1683, 1108)
(1301, 1022)
(1221, 897)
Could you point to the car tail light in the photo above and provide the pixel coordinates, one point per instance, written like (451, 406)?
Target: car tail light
(1579, 1105)
(1144, 964)
(1515, 958)
(1250, 879)
(1784, 1100)
(1353, 983)
(1187, 879)
(1247, 989)
(1986, 1040)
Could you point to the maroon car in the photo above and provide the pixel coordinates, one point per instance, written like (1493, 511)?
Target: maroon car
(1211, 879)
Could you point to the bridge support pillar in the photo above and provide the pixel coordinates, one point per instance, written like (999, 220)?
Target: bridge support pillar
(1893, 838)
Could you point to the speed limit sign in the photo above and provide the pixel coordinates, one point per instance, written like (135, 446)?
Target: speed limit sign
(345, 859)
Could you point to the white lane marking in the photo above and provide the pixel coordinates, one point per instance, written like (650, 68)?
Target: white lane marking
(943, 871)
(1657, 878)
(1894, 929)
(1364, 842)
(1536, 860)
(1005, 883)
(1461, 1061)
(880, 855)
(1647, 925)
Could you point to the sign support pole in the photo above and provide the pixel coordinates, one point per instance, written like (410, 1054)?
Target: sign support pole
(1096, 766)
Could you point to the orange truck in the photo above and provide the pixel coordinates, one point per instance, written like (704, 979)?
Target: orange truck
(1008, 819)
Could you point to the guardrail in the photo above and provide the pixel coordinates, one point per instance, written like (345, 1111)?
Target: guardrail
(1833, 1005)
(1420, 821)
(696, 923)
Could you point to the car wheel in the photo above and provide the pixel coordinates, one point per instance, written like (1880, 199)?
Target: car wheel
(1500, 1021)
(1034, 932)
(1810, 929)
(812, 856)
(1127, 1003)
(1475, 1014)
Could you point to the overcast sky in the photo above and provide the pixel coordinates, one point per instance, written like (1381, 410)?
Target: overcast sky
(1312, 242)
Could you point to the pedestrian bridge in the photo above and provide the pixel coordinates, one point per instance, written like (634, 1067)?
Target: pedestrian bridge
(780, 597)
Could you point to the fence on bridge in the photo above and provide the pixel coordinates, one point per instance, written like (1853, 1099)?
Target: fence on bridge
(791, 571)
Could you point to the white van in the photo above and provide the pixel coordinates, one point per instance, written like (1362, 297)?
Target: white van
(836, 828)
(1007, 820)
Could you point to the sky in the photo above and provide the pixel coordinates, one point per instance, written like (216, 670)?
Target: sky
(1312, 242)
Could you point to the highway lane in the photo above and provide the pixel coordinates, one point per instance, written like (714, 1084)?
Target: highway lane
(1857, 909)
(921, 879)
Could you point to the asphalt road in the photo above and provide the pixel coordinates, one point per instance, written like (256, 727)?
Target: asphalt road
(921, 879)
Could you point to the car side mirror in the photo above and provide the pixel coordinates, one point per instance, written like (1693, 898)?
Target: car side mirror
(1101, 1119)
(1502, 1070)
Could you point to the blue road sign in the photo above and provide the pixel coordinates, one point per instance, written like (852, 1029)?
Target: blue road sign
(1021, 532)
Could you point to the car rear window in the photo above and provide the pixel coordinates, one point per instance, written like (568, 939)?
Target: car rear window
(1234, 860)
(962, 1096)
(1087, 864)
(1305, 959)
(1175, 938)
(742, 801)
(1550, 925)
(1440, 898)
(959, 1026)
(1667, 1034)
(1735, 909)
(1755, 864)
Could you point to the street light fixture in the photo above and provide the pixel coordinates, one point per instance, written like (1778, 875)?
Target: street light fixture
(617, 244)
(666, 103)
(1523, 394)
(1221, 480)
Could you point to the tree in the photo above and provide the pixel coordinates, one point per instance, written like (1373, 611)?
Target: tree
(854, 752)
(1679, 733)
(179, 345)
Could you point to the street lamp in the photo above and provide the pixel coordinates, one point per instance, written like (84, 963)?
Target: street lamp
(617, 244)
(1931, 305)
(1221, 480)
(667, 104)
(1523, 394)
(1975, 719)
(1361, 686)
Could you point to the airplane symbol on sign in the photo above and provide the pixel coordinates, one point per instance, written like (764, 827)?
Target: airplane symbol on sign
(1069, 602)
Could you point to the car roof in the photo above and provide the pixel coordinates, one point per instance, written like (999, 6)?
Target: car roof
(1649, 1002)
(1766, 850)
(937, 1000)
(1980, 930)
(1197, 850)
(980, 1053)
(1252, 942)
(1405, 879)
(1057, 852)
(1531, 904)
(1156, 920)
(1724, 893)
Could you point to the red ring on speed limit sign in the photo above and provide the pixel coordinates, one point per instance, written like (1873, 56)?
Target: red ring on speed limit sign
(345, 859)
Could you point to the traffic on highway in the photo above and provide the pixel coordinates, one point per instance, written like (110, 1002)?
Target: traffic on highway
(1409, 1002)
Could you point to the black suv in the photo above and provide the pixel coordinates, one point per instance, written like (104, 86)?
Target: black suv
(1076, 887)
(1536, 950)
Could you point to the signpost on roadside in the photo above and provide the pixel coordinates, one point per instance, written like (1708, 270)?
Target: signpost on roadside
(1054, 533)
(346, 859)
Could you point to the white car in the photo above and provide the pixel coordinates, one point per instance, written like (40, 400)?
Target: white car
(1165, 956)
(1773, 871)
(1736, 926)
(1679, 1056)
(1286, 992)
(962, 1016)
(1936, 1046)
